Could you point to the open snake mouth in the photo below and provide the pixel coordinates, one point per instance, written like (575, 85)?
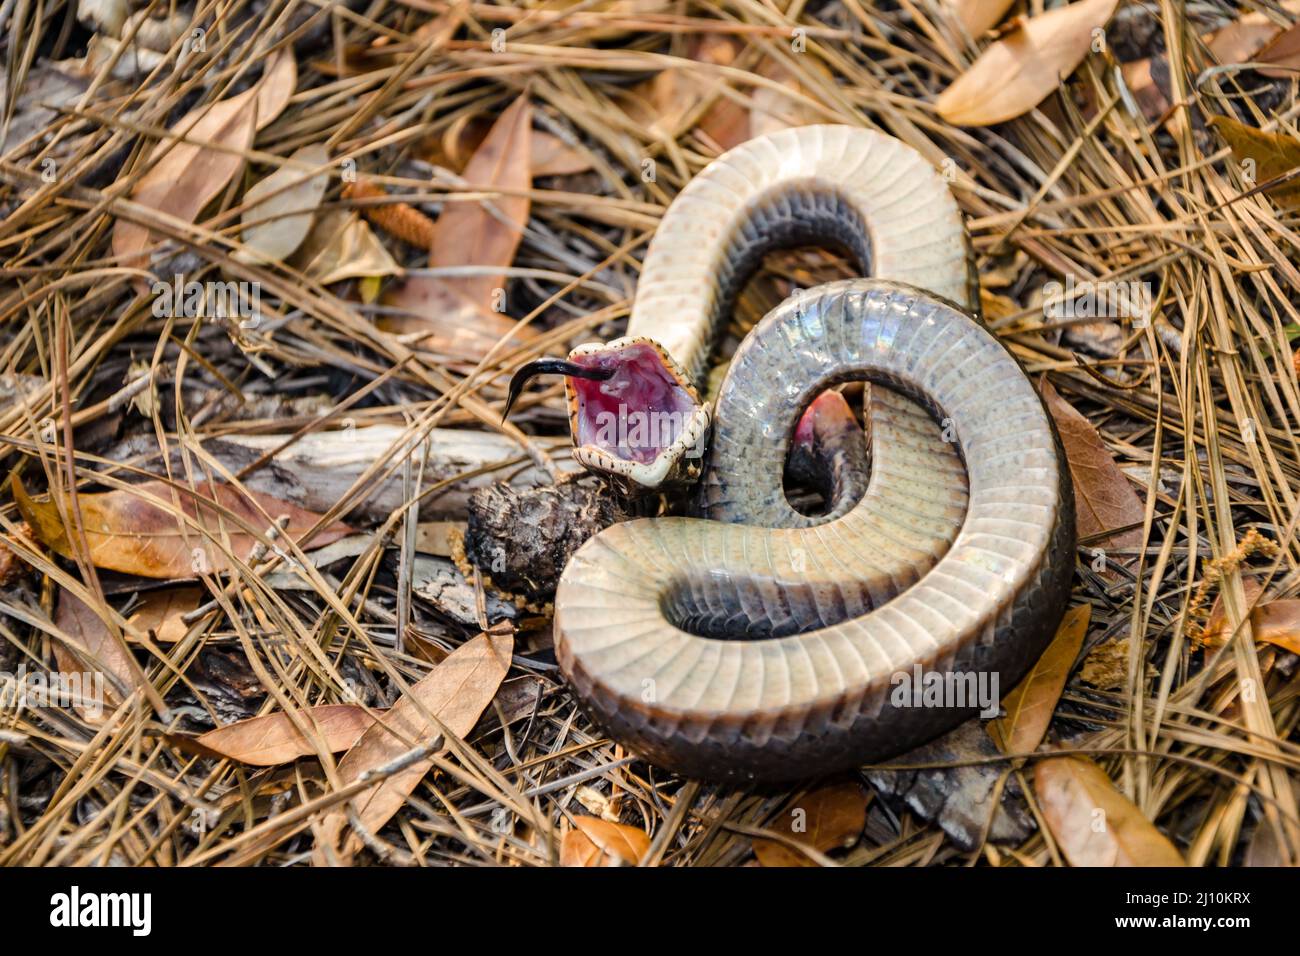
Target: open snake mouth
(633, 414)
(645, 424)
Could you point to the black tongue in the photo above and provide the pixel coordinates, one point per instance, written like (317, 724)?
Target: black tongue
(550, 366)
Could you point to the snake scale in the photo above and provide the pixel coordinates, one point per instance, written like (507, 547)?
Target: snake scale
(753, 641)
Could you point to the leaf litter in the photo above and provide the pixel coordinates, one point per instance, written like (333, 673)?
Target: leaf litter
(381, 231)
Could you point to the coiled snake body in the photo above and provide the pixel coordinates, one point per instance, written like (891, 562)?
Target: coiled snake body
(754, 641)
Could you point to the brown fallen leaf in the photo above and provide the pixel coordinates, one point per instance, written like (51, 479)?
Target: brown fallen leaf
(273, 739)
(161, 613)
(825, 819)
(103, 655)
(1031, 703)
(1270, 154)
(456, 692)
(1275, 622)
(1104, 499)
(551, 156)
(1093, 823)
(184, 176)
(597, 842)
(483, 233)
(1283, 52)
(1242, 41)
(140, 530)
(1017, 72)
(661, 103)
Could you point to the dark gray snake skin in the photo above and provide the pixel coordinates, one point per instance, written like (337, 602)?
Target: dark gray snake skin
(755, 642)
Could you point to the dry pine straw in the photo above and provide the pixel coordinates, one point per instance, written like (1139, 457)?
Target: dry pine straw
(1200, 408)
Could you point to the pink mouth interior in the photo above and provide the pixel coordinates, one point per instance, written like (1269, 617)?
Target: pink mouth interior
(638, 412)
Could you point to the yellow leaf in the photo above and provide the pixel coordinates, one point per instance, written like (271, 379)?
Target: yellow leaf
(1269, 156)
(1030, 704)
(1018, 71)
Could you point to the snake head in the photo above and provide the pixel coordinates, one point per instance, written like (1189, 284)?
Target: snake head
(634, 415)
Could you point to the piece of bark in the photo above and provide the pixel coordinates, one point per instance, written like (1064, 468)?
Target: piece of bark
(438, 582)
(317, 469)
(957, 798)
(523, 538)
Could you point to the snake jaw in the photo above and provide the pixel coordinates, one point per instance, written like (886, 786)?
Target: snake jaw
(644, 427)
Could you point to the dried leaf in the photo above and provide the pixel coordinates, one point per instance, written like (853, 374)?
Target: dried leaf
(161, 612)
(598, 842)
(275, 226)
(1093, 823)
(980, 16)
(1031, 703)
(103, 654)
(551, 156)
(1104, 499)
(1283, 51)
(1270, 154)
(341, 246)
(456, 692)
(482, 233)
(1275, 622)
(273, 739)
(140, 531)
(185, 176)
(1240, 40)
(1018, 71)
(825, 819)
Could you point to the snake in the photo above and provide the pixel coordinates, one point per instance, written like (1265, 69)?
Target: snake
(749, 640)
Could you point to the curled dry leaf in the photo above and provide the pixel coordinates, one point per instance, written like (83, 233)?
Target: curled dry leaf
(1093, 823)
(1104, 499)
(1018, 71)
(273, 739)
(825, 819)
(275, 226)
(341, 246)
(455, 692)
(141, 530)
(1031, 703)
(99, 653)
(597, 842)
(1265, 156)
(183, 176)
(475, 233)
